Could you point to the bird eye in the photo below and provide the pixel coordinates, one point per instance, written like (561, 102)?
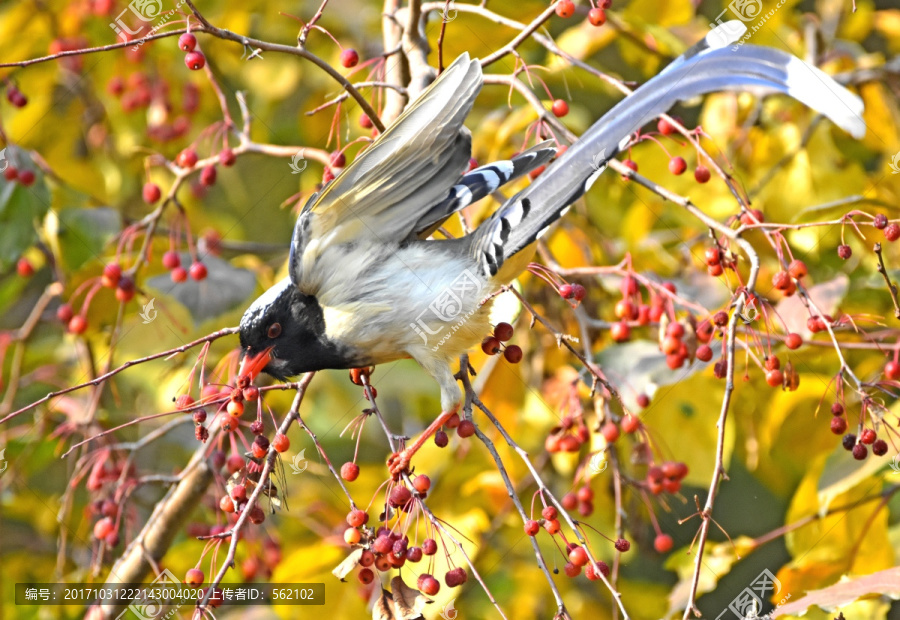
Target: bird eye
(274, 330)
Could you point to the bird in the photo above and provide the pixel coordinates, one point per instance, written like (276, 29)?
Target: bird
(367, 284)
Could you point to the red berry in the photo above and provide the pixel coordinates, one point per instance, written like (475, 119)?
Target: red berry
(77, 324)
(571, 570)
(103, 528)
(26, 177)
(399, 497)
(429, 546)
(281, 443)
(664, 127)
(226, 504)
(782, 280)
(208, 175)
(187, 42)
(198, 271)
(422, 483)
(578, 292)
(151, 193)
(194, 577)
(643, 401)
(845, 251)
(630, 423)
(892, 370)
(456, 577)
(712, 256)
(112, 273)
(560, 108)
(64, 313)
(428, 585)
(860, 452)
(880, 447)
(610, 431)
(503, 331)
(701, 174)
(441, 439)
(677, 165)
(848, 441)
(466, 429)
(11, 173)
(838, 426)
(594, 571)
(552, 526)
(578, 556)
(597, 17)
(837, 409)
(868, 436)
(549, 512)
(365, 576)
(663, 543)
(892, 232)
(567, 291)
(513, 354)
(349, 471)
(171, 260)
(24, 268)
(179, 274)
(793, 341)
(490, 345)
(748, 217)
(622, 545)
(365, 122)
(565, 8)
(880, 222)
(797, 269)
(260, 446)
(227, 157)
(704, 353)
(774, 377)
(194, 60)
(532, 527)
(349, 58)
(352, 536)
(187, 158)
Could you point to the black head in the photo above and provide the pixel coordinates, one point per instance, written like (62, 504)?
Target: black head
(283, 334)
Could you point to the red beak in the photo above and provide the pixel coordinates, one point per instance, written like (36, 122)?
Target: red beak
(252, 365)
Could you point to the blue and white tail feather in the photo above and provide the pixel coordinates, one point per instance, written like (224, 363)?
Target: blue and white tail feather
(709, 66)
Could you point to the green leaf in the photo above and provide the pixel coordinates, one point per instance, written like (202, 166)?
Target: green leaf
(83, 233)
(21, 208)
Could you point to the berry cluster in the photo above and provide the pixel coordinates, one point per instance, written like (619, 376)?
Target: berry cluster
(492, 345)
(596, 15)
(194, 58)
(576, 555)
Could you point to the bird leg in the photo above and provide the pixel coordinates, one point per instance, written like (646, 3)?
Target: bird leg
(398, 462)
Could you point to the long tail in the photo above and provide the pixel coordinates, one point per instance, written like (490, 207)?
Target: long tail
(708, 66)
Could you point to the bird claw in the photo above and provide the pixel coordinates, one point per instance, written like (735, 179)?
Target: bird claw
(398, 463)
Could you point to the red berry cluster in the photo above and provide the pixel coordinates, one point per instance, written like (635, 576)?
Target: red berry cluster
(493, 344)
(582, 500)
(194, 58)
(666, 477)
(172, 261)
(856, 445)
(15, 96)
(13, 174)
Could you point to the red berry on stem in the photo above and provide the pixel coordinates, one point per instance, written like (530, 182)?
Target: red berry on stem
(630, 423)
(798, 269)
(281, 443)
(365, 122)
(103, 528)
(503, 331)
(701, 174)
(349, 58)
(892, 232)
(565, 8)
(187, 42)
(24, 268)
(559, 108)
(171, 260)
(663, 543)
(194, 576)
(208, 175)
(187, 158)
(845, 251)
(622, 545)
(597, 17)
(227, 157)
(677, 165)
(838, 426)
(620, 332)
(349, 471)
(179, 274)
(26, 177)
(11, 173)
(532, 527)
(441, 439)
(610, 431)
(194, 60)
(880, 447)
(198, 271)
(892, 370)
(151, 193)
(422, 483)
(774, 377)
(366, 576)
(793, 341)
(466, 429)
(77, 324)
(664, 127)
(868, 436)
(513, 354)
(428, 585)
(860, 452)
(490, 345)
(64, 313)
(643, 401)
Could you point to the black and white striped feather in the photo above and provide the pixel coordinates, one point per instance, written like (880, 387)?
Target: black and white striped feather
(481, 182)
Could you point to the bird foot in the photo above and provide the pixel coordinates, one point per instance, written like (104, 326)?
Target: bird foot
(398, 463)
